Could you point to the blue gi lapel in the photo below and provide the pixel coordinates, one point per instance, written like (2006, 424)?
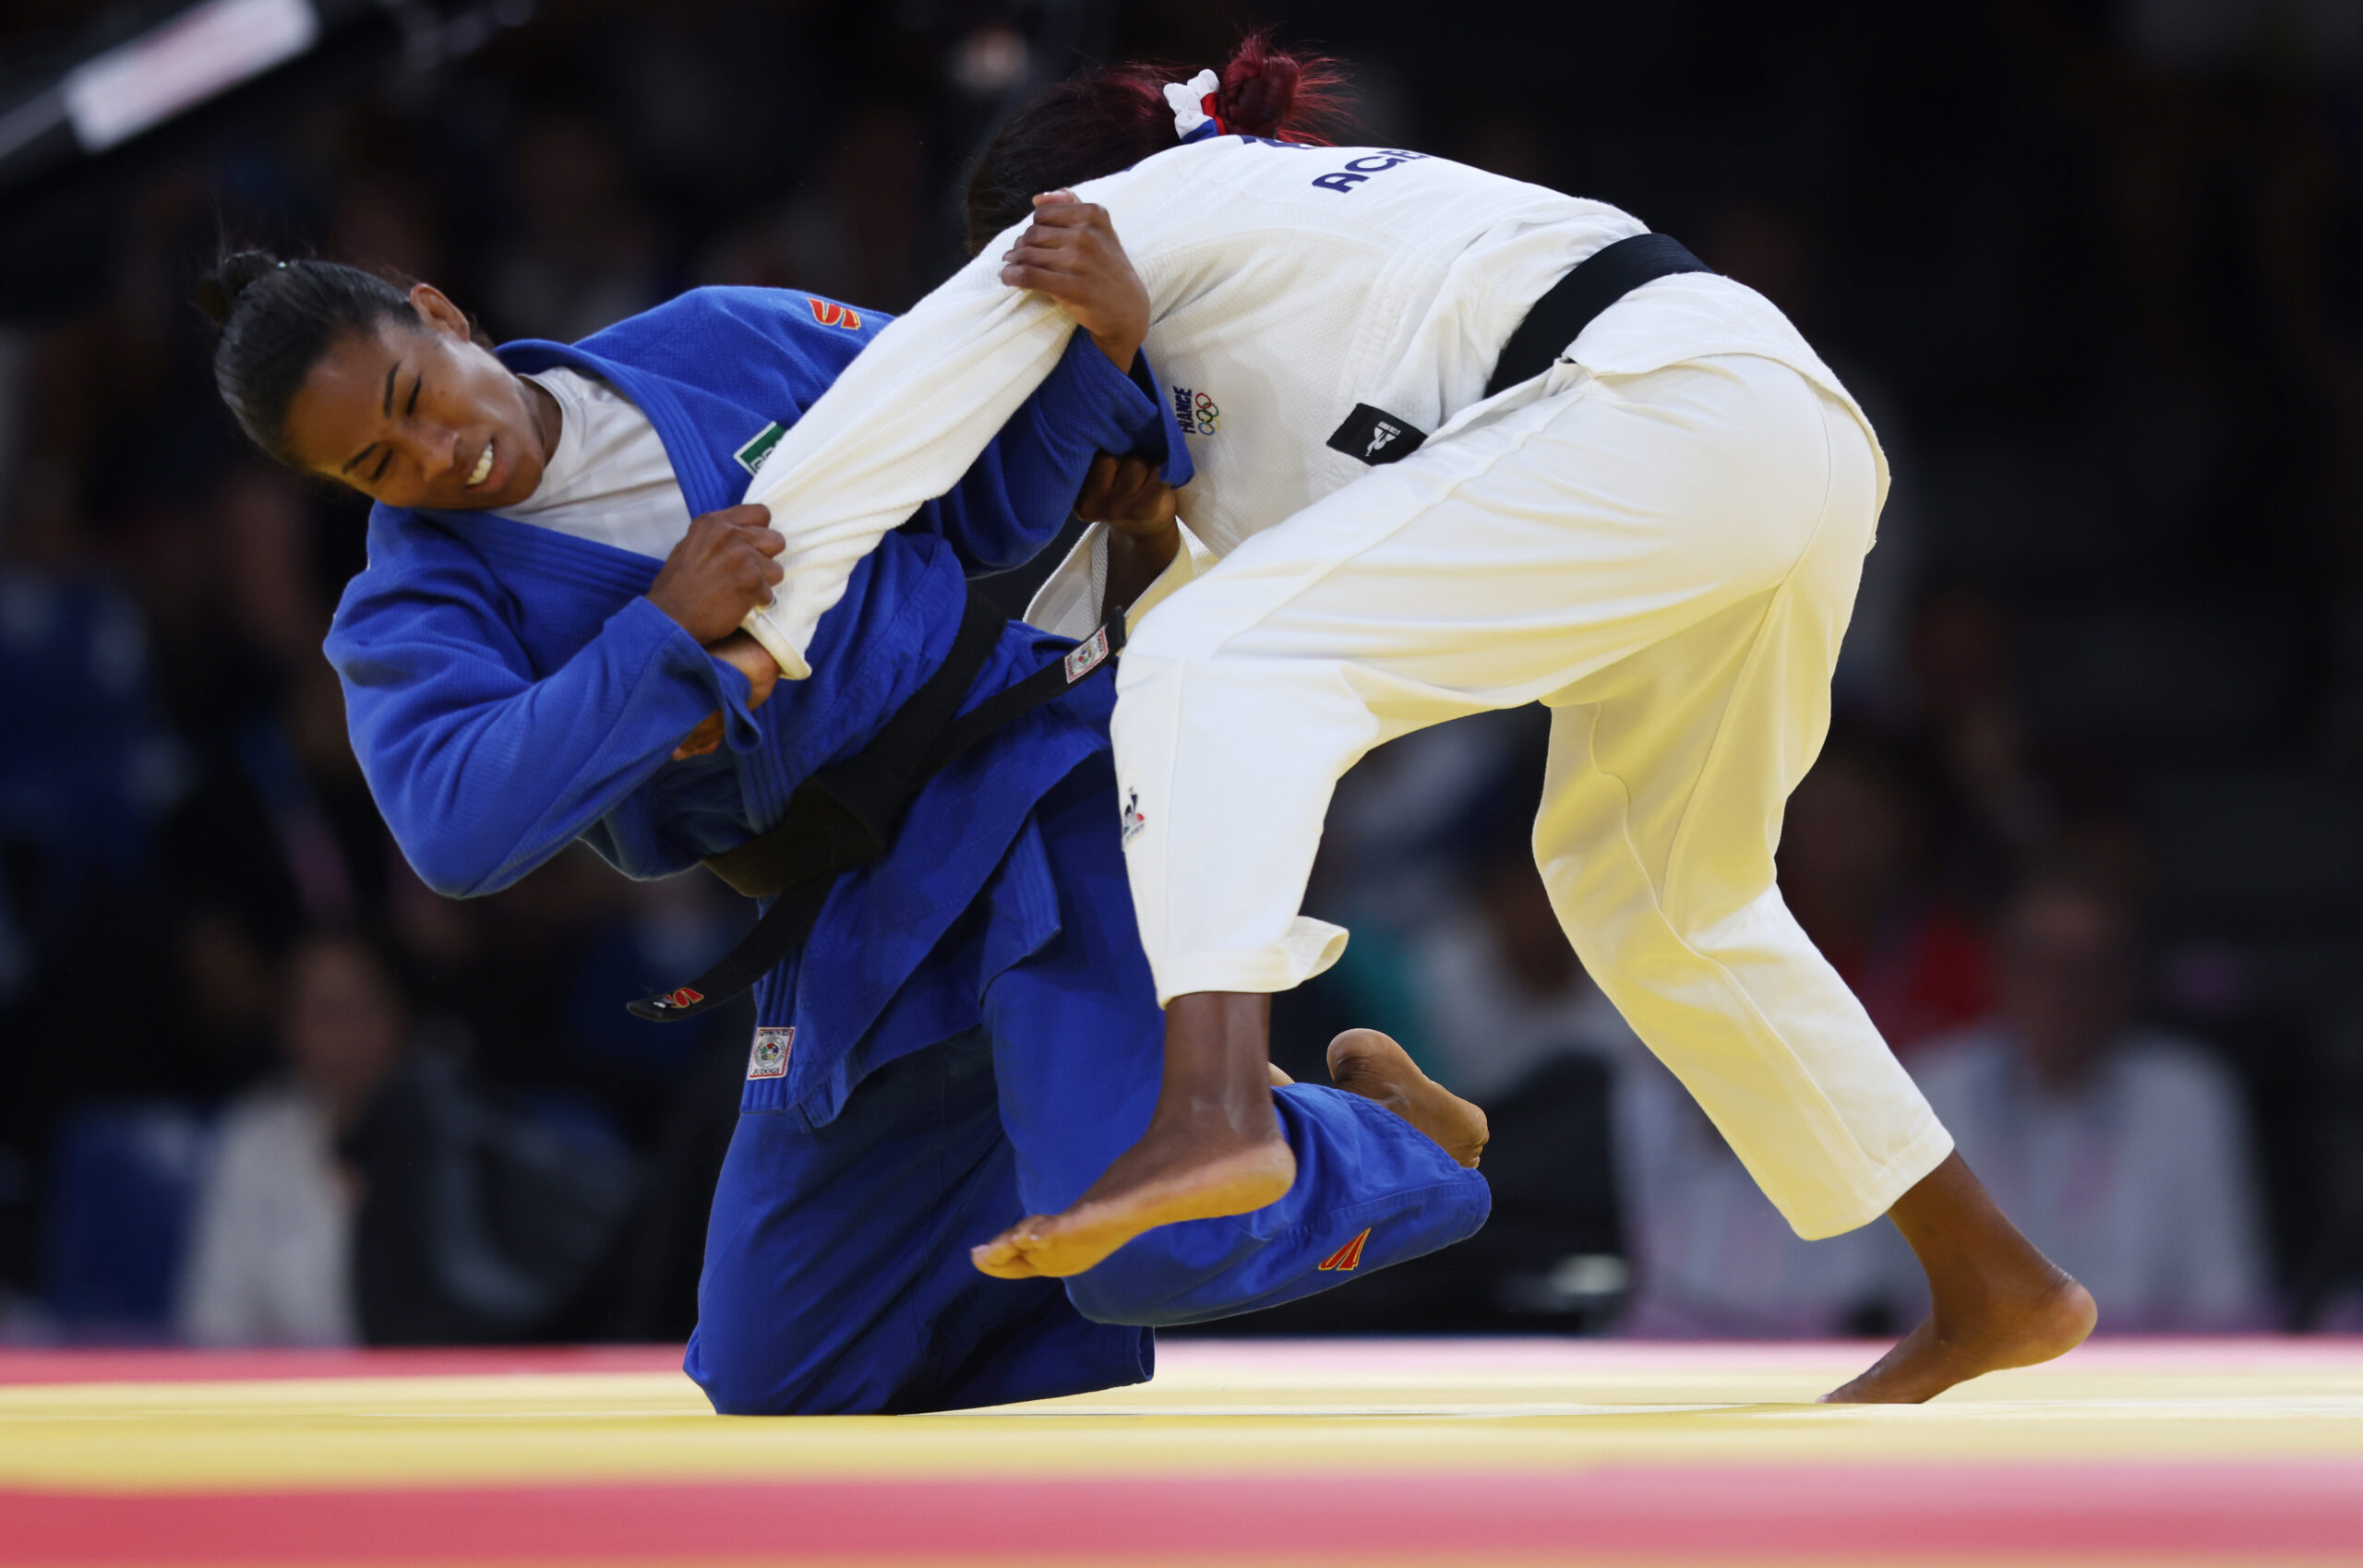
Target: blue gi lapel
(705, 485)
(512, 546)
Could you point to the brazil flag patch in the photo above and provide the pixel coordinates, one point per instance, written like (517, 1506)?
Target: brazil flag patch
(750, 456)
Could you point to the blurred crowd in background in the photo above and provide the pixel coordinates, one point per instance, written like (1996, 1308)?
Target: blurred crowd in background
(2087, 837)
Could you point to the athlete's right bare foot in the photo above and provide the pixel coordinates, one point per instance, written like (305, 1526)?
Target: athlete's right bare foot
(1213, 1147)
(1995, 1300)
(1365, 1062)
(1172, 1174)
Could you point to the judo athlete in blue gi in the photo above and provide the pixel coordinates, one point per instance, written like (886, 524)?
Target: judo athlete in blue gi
(543, 649)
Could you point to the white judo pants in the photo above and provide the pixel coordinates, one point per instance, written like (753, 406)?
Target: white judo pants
(1667, 561)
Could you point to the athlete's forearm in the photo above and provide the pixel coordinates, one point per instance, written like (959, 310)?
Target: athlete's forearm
(483, 771)
(900, 427)
(1018, 492)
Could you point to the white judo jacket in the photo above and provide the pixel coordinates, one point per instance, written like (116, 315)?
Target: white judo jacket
(1288, 285)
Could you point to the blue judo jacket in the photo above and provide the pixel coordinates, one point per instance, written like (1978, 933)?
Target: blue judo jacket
(509, 688)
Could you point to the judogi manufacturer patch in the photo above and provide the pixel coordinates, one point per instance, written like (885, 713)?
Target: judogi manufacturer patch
(769, 1058)
(1377, 437)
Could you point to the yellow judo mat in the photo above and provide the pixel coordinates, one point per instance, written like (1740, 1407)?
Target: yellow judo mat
(1364, 1452)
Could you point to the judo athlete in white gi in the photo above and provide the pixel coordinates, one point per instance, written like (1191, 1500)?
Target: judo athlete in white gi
(1658, 534)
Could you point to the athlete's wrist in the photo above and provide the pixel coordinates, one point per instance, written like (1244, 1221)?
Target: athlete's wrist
(1137, 556)
(1123, 349)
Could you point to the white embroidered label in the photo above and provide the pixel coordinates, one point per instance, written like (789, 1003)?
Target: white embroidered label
(769, 1058)
(1087, 655)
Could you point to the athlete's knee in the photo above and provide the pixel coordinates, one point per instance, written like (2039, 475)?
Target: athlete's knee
(756, 1381)
(777, 1351)
(1121, 1292)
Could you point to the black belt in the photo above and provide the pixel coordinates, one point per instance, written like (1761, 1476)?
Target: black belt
(1586, 289)
(845, 815)
(1558, 318)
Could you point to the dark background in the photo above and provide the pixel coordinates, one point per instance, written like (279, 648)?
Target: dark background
(2090, 266)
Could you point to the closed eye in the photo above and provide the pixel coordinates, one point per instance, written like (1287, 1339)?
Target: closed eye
(379, 472)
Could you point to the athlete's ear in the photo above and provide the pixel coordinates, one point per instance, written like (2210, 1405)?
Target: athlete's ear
(436, 311)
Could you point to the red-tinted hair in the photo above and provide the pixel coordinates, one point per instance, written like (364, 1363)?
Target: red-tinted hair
(1110, 118)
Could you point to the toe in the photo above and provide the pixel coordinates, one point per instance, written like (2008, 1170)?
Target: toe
(1355, 1047)
(1003, 1257)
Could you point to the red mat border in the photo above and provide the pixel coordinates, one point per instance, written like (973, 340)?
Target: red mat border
(24, 1367)
(1855, 1512)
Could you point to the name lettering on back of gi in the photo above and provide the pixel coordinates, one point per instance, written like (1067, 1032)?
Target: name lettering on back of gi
(1343, 181)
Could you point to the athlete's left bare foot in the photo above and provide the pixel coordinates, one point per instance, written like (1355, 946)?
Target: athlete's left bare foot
(1365, 1062)
(1996, 1301)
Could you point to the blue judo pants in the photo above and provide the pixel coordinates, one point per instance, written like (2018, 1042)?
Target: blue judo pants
(837, 1278)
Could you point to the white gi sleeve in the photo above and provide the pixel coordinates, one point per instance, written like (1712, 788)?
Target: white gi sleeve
(899, 427)
(1068, 601)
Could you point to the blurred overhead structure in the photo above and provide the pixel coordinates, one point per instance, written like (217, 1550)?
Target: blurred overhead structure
(70, 119)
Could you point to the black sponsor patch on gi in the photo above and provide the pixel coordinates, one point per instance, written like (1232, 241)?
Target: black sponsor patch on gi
(1377, 437)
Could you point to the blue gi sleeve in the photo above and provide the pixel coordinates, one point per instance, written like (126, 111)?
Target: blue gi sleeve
(1018, 492)
(484, 771)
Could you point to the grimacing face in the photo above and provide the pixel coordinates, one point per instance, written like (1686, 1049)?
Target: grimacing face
(422, 415)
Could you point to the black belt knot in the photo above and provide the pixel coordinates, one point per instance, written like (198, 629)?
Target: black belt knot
(845, 815)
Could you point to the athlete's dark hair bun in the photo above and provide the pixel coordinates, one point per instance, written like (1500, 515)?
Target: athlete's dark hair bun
(1259, 87)
(276, 319)
(218, 290)
(1103, 120)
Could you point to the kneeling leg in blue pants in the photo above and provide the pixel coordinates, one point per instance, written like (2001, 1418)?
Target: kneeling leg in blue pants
(1079, 1050)
(837, 1277)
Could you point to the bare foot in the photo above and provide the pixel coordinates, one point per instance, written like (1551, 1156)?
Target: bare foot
(1997, 1302)
(1213, 1147)
(1168, 1176)
(1365, 1062)
(1946, 1350)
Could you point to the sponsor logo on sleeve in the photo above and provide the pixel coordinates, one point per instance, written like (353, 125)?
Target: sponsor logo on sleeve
(829, 313)
(769, 1058)
(1347, 1258)
(1133, 818)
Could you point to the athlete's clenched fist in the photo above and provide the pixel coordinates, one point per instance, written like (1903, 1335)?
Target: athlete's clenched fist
(720, 572)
